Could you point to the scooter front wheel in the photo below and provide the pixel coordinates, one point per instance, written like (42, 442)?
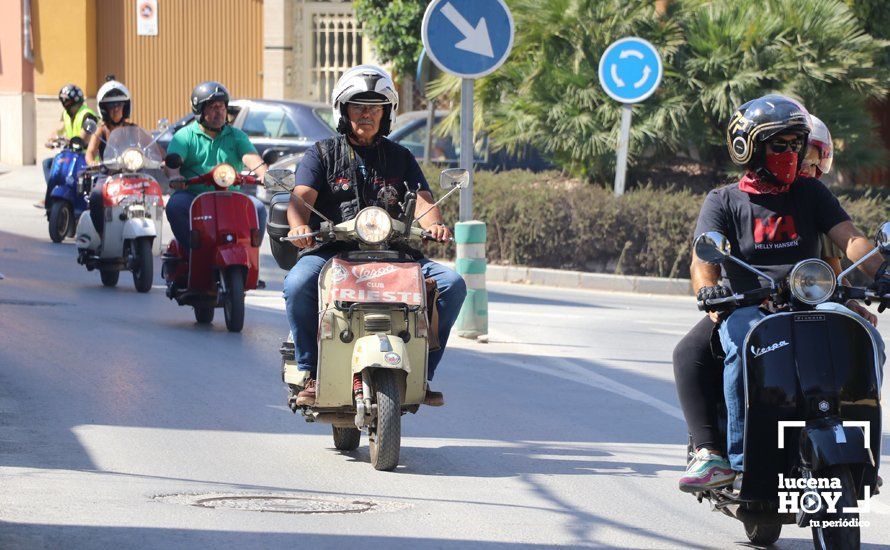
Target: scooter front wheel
(59, 219)
(233, 308)
(143, 270)
(845, 537)
(385, 435)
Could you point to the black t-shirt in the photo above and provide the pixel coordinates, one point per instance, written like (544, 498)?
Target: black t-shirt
(379, 179)
(770, 232)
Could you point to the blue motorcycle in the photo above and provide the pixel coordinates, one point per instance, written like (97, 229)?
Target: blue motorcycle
(68, 198)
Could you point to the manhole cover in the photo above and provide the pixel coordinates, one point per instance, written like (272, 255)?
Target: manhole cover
(285, 504)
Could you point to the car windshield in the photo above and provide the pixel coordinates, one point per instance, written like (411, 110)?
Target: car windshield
(132, 137)
(271, 122)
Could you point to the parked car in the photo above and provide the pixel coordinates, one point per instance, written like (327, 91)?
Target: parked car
(275, 127)
(411, 132)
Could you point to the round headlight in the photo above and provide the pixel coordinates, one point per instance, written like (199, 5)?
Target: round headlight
(133, 160)
(373, 225)
(224, 175)
(812, 281)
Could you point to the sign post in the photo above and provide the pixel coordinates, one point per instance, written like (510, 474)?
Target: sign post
(469, 39)
(630, 71)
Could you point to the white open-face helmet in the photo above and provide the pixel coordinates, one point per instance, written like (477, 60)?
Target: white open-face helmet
(113, 92)
(820, 137)
(368, 85)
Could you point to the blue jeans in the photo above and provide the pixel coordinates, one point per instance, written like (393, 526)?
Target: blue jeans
(732, 335)
(179, 214)
(301, 296)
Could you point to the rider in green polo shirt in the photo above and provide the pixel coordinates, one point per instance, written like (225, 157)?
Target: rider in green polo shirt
(203, 145)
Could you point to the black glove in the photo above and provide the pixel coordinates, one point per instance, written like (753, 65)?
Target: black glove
(881, 285)
(711, 293)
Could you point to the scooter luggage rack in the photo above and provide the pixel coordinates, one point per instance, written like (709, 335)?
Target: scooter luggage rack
(353, 306)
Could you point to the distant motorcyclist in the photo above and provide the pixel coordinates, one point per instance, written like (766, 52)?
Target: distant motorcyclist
(75, 113)
(341, 175)
(203, 145)
(113, 99)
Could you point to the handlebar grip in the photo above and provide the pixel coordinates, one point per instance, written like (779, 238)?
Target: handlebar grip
(427, 236)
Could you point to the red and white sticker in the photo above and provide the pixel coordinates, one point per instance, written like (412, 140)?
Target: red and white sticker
(376, 282)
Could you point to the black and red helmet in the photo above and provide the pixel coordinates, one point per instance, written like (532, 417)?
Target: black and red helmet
(759, 120)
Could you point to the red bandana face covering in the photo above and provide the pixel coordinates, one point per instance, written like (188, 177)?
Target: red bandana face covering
(784, 168)
(783, 165)
(754, 185)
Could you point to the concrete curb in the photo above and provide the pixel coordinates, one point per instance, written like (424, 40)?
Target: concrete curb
(584, 280)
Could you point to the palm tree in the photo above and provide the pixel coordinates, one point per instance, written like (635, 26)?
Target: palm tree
(717, 54)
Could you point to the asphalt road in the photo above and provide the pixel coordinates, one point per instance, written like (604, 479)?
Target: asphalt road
(122, 423)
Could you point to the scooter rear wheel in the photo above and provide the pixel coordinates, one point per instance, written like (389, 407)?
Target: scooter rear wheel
(204, 314)
(347, 439)
(59, 221)
(143, 271)
(109, 277)
(386, 435)
(763, 534)
(233, 308)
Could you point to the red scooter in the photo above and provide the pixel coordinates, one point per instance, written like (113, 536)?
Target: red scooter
(224, 258)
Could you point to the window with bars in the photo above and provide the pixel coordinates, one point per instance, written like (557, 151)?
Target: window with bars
(337, 45)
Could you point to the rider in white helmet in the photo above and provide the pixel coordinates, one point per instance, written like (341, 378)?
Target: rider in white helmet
(341, 175)
(113, 99)
(820, 151)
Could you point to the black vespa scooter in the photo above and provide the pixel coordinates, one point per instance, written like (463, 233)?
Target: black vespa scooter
(812, 440)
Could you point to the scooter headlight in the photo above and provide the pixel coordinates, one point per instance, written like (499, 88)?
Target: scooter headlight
(224, 175)
(812, 281)
(133, 160)
(373, 225)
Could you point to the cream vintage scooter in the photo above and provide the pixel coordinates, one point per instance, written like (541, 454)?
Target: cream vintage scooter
(374, 322)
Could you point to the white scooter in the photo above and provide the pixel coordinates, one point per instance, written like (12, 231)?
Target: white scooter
(133, 205)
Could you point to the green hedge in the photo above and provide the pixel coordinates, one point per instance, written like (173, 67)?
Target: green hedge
(546, 220)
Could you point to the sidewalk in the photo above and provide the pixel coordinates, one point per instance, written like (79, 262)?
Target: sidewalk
(584, 280)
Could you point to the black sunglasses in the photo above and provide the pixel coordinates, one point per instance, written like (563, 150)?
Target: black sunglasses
(782, 145)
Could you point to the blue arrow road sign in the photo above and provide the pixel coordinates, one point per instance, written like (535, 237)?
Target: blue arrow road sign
(468, 38)
(630, 70)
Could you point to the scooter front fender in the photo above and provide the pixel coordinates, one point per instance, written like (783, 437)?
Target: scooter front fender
(380, 351)
(232, 255)
(829, 443)
(136, 228)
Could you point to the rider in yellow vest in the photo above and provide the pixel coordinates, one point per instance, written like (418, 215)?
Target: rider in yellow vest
(75, 114)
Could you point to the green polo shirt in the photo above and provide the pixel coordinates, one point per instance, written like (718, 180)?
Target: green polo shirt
(200, 153)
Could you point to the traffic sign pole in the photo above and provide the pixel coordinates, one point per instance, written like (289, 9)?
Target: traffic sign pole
(623, 143)
(469, 39)
(630, 71)
(466, 146)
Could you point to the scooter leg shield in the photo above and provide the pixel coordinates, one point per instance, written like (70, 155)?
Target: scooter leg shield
(87, 236)
(136, 228)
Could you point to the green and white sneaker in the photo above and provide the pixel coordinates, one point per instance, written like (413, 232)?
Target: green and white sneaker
(706, 471)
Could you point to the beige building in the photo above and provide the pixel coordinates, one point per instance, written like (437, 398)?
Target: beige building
(277, 49)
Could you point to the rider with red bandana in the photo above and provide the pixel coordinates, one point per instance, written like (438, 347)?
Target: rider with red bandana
(772, 219)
